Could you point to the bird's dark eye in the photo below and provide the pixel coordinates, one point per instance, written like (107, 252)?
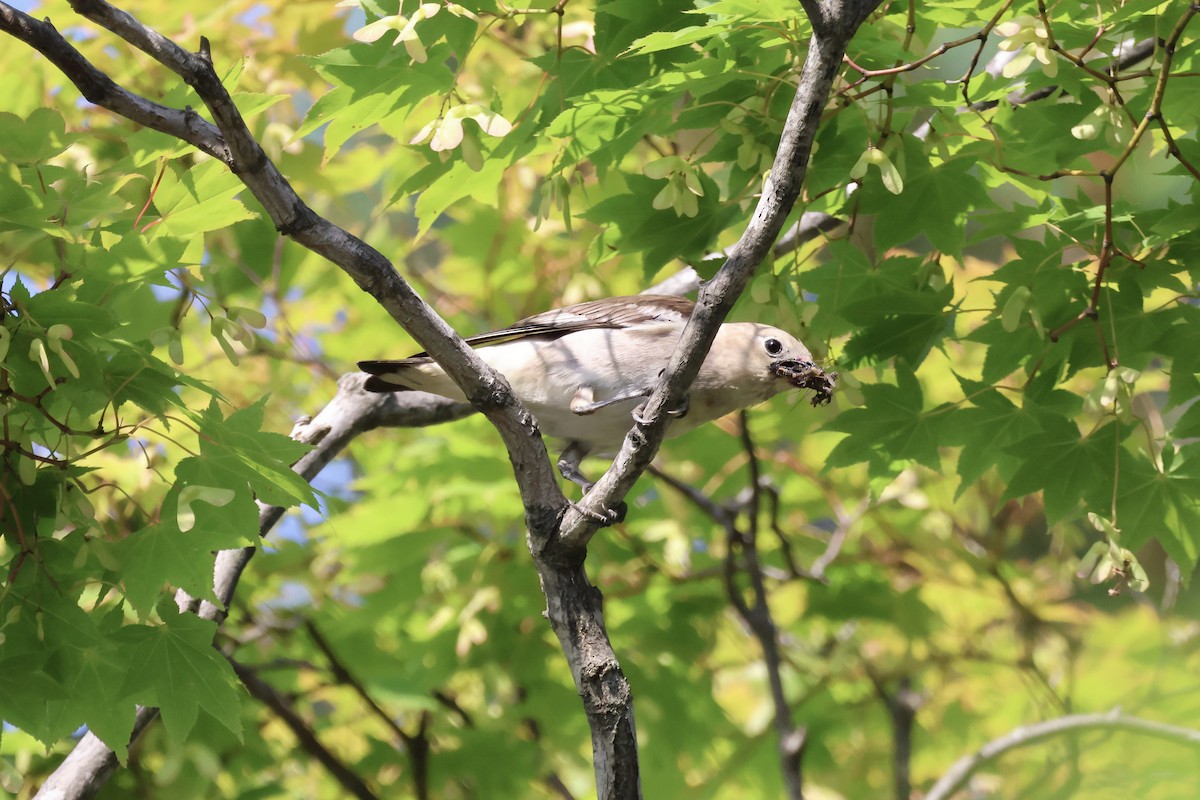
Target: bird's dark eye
(773, 347)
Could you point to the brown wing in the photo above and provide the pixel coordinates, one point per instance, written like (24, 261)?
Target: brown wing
(613, 312)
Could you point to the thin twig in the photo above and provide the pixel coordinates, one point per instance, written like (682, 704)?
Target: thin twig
(902, 706)
(757, 616)
(957, 776)
(307, 739)
(416, 745)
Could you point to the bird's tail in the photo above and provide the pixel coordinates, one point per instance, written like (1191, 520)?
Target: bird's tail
(389, 376)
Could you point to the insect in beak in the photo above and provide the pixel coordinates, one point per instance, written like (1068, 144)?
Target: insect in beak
(806, 375)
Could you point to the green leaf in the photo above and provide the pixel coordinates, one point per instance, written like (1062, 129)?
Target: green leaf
(37, 138)
(459, 182)
(369, 84)
(24, 691)
(620, 22)
(137, 377)
(1162, 504)
(945, 194)
(161, 555)
(900, 311)
(603, 123)
(1065, 466)
(985, 432)
(238, 451)
(667, 40)
(176, 668)
(892, 422)
(200, 199)
(96, 692)
(661, 235)
(59, 307)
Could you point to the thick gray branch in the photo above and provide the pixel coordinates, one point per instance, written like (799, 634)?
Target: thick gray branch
(98, 88)
(374, 273)
(832, 31)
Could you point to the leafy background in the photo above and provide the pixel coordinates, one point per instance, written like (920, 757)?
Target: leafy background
(159, 339)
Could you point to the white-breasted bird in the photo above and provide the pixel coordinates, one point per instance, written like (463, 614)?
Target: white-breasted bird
(584, 370)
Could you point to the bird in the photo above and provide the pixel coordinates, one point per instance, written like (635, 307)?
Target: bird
(585, 370)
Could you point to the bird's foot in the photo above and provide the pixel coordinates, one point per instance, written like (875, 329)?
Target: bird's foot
(675, 413)
(606, 517)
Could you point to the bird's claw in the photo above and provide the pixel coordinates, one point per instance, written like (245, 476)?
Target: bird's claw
(604, 518)
(682, 410)
(637, 415)
(675, 413)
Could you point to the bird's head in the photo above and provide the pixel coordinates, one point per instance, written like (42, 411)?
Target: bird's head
(769, 354)
(785, 358)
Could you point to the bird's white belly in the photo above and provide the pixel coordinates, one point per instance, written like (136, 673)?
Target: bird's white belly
(547, 375)
(602, 430)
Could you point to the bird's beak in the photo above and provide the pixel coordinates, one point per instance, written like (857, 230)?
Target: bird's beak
(806, 375)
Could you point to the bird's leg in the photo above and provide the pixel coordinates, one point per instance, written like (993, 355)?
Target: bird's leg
(583, 403)
(676, 413)
(568, 467)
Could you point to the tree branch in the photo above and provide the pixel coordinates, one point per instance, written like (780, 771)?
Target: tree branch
(756, 612)
(958, 775)
(237, 148)
(352, 411)
(98, 88)
(305, 736)
(417, 745)
(232, 142)
(605, 691)
(902, 706)
(573, 605)
(757, 616)
(832, 30)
